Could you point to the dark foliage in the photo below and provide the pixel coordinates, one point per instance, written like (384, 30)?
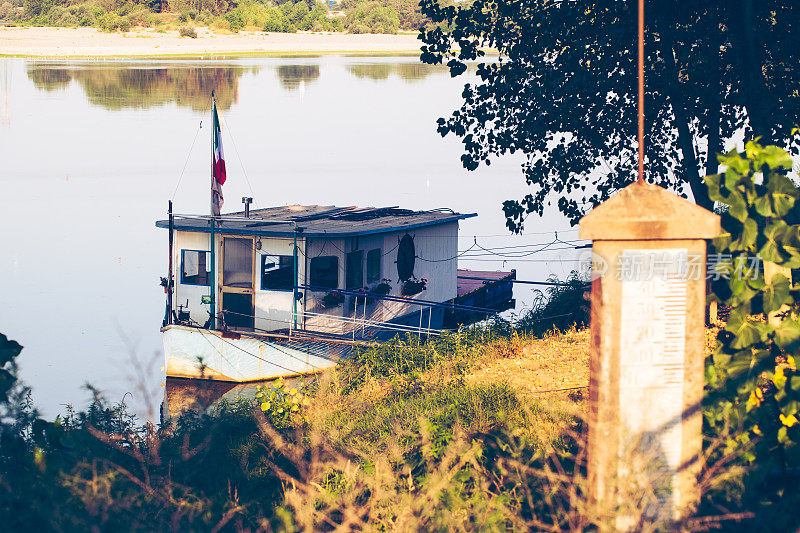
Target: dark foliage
(104, 469)
(561, 307)
(564, 90)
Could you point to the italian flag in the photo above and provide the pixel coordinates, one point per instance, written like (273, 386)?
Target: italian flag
(218, 165)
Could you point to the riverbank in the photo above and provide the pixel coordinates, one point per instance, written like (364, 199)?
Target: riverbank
(92, 43)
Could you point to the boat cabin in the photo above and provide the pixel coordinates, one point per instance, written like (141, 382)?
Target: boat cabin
(326, 269)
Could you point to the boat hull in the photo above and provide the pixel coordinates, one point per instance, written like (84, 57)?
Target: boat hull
(204, 354)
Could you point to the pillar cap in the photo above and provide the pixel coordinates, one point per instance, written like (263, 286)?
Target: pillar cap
(643, 211)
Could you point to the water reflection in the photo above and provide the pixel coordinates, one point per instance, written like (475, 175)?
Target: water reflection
(292, 76)
(49, 79)
(409, 71)
(371, 72)
(144, 86)
(181, 395)
(141, 86)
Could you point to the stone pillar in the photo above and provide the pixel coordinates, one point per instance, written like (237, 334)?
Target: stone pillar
(646, 377)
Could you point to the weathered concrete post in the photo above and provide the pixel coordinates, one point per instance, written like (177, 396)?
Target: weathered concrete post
(646, 378)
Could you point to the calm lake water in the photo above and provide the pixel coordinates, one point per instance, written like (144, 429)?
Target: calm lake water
(93, 150)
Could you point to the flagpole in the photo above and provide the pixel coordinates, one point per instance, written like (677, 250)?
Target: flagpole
(211, 205)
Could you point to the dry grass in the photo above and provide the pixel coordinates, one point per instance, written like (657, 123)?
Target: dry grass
(381, 457)
(532, 366)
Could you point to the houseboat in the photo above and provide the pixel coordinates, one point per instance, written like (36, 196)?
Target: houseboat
(297, 286)
(290, 290)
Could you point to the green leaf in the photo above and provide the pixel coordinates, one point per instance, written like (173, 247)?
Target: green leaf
(740, 286)
(752, 149)
(787, 335)
(763, 206)
(723, 241)
(734, 161)
(794, 382)
(776, 293)
(775, 157)
(791, 407)
(747, 237)
(790, 243)
(738, 206)
(745, 332)
(770, 252)
(713, 183)
(721, 358)
(740, 363)
(757, 283)
(782, 193)
(776, 230)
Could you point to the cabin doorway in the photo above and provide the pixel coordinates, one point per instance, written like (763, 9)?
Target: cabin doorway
(238, 260)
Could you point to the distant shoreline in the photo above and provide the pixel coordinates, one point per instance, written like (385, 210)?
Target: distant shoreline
(86, 43)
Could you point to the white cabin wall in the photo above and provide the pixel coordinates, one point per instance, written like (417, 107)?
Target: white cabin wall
(439, 245)
(190, 240)
(273, 309)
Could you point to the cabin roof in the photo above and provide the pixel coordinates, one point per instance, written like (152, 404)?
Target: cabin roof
(318, 221)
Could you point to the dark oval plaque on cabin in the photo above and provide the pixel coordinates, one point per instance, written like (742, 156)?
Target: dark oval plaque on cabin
(406, 255)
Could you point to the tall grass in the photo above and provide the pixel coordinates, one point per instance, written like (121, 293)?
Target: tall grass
(396, 439)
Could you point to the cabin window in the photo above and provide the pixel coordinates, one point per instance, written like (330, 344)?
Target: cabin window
(237, 263)
(277, 273)
(324, 272)
(374, 265)
(195, 267)
(354, 276)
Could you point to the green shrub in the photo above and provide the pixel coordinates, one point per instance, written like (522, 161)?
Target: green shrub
(36, 8)
(236, 20)
(187, 31)
(123, 8)
(371, 17)
(274, 23)
(752, 384)
(141, 18)
(53, 17)
(358, 27)
(298, 13)
(111, 22)
(107, 22)
(221, 23)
